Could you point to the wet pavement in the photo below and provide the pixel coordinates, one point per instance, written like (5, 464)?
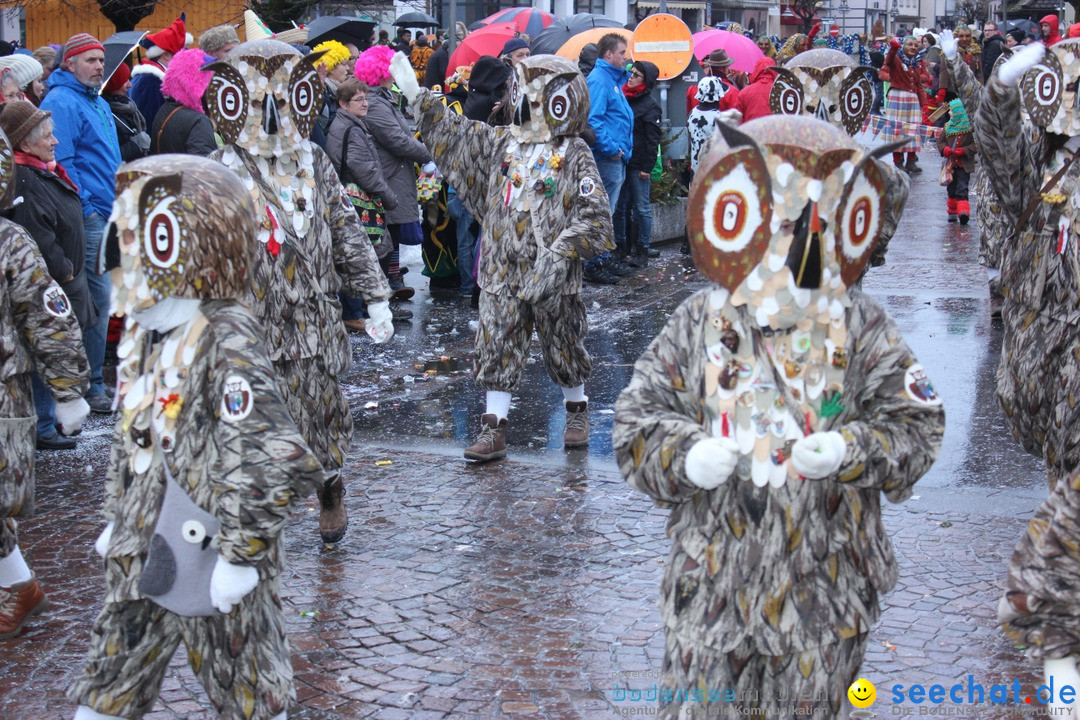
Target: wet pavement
(527, 588)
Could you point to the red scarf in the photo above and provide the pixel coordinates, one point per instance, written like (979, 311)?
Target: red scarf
(633, 92)
(54, 167)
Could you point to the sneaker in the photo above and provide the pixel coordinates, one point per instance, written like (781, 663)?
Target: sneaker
(638, 261)
(56, 442)
(21, 602)
(357, 325)
(490, 444)
(577, 425)
(399, 290)
(652, 253)
(333, 518)
(100, 404)
(599, 276)
(617, 269)
(400, 313)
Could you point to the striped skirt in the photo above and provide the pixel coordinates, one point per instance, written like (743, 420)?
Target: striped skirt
(903, 109)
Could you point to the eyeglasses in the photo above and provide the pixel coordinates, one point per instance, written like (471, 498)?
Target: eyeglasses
(362, 99)
(637, 75)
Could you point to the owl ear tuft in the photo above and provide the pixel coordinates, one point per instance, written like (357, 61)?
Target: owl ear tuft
(313, 58)
(171, 184)
(735, 138)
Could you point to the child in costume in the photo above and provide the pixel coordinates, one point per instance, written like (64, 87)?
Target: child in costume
(206, 462)
(38, 332)
(535, 190)
(958, 149)
(770, 414)
(264, 99)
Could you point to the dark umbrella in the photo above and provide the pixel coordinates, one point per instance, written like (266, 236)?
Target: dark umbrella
(118, 47)
(416, 19)
(555, 36)
(1025, 26)
(346, 30)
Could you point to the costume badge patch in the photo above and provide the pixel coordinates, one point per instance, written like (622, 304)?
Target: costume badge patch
(918, 386)
(237, 399)
(587, 187)
(56, 302)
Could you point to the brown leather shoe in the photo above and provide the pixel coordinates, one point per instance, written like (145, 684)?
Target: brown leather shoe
(491, 442)
(358, 325)
(577, 425)
(20, 602)
(333, 518)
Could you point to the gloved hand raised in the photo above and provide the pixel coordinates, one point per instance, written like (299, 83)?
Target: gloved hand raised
(70, 415)
(404, 76)
(1021, 61)
(380, 325)
(819, 454)
(230, 583)
(948, 44)
(710, 462)
(101, 545)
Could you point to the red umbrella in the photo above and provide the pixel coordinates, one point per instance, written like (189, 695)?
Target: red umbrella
(523, 19)
(741, 49)
(486, 41)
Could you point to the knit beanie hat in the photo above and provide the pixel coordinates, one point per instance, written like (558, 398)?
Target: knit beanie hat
(79, 43)
(513, 44)
(117, 80)
(24, 67)
(218, 37)
(373, 65)
(18, 118)
(170, 40)
(336, 53)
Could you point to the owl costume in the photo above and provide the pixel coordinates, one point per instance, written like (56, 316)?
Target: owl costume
(199, 413)
(535, 190)
(264, 99)
(829, 85)
(1039, 374)
(38, 332)
(770, 414)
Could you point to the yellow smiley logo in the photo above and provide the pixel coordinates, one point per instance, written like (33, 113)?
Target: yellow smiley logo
(862, 693)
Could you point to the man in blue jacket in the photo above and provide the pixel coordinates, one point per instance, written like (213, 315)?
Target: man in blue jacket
(612, 119)
(89, 151)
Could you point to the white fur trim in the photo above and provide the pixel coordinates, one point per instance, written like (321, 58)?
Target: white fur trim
(148, 69)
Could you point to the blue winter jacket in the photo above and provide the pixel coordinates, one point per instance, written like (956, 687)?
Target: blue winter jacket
(609, 112)
(88, 148)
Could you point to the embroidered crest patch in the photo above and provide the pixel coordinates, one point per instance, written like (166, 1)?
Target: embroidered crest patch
(237, 399)
(56, 302)
(587, 186)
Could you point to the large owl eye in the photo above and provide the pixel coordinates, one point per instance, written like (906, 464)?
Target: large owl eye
(193, 531)
(305, 97)
(515, 91)
(1041, 90)
(559, 105)
(786, 97)
(856, 97)
(226, 101)
(728, 215)
(859, 222)
(161, 234)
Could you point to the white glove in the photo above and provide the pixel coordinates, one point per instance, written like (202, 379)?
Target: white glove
(380, 324)
(1021, 61)
(731, 118)
(948, 44)
(71, 414)
(710, 462)
(818, 454)
(429, 168)
(404, 76)
(101, 545)
(230, 583)
(1059, 673)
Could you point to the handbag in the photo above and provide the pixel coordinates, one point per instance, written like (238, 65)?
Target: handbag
(427, 189)
(368, 208)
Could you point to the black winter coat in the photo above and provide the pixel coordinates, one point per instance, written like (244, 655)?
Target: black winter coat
(436, 67)
(991, 51)
(179, 129)
(647, 116)
(130, 127)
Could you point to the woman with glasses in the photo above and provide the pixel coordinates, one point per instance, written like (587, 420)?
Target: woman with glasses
(353, 154)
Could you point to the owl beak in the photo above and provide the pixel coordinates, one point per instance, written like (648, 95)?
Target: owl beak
(270, 114)
(806, 258)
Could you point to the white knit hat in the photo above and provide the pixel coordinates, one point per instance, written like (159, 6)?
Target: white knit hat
(24, 68)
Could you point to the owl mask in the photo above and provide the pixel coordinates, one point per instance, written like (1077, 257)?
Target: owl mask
(265, 97)
(784, 213)
(826, 84)
(184, 227)
(550, 98)
(1048, 91)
